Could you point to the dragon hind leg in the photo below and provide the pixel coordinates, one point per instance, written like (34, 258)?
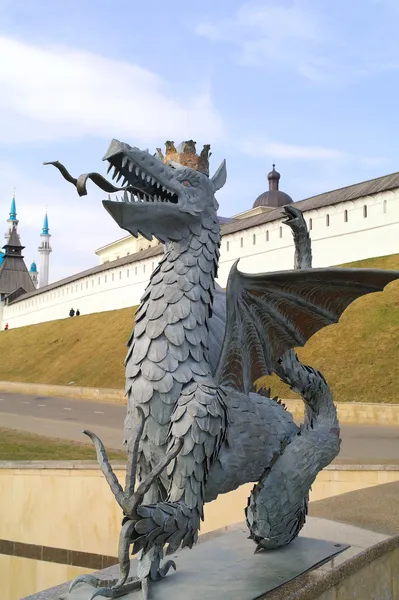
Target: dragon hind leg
(277, 507)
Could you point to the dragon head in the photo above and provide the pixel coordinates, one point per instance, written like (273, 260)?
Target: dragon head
(159, 200)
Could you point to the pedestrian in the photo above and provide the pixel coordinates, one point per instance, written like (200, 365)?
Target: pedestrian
(77, 312)
(6, 327)
(71, 313)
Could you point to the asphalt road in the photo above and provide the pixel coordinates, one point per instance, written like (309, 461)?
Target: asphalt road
(65, 419)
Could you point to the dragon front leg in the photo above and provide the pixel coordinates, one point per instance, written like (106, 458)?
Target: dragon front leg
(198, 426)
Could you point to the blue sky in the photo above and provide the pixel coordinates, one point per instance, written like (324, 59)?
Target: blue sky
(310, 84)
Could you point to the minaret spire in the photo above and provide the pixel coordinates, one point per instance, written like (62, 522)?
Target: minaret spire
(44, 251)
(12, 220)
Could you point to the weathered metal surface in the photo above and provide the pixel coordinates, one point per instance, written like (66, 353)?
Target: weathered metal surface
(194, 427)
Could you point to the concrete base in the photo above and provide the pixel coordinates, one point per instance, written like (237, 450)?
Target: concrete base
(306, 586)
(226, 568)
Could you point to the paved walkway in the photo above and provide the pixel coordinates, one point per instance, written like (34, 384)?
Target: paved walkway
(65, 419)
(374, 508)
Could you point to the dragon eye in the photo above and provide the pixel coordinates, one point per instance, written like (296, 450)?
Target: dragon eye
(186, 183)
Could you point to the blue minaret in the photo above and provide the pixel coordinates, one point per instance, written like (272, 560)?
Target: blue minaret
(12, 219)
(44, 251)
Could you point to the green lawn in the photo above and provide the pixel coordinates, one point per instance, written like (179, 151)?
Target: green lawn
(18, 445)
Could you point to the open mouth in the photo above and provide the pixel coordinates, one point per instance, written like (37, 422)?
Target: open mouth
(290, 213)
(138, 184)
(144, 177)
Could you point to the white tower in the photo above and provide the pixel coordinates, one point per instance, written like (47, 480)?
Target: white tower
(44, 251)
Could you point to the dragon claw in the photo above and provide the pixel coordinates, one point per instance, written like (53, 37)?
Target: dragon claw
(107, 589)
(116, 591)
(89, 579)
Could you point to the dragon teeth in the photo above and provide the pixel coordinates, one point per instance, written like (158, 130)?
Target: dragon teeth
(130, 166)
(158, 185)
(124, 161)
(137, 171)
(118, 178)
(153, 181)
(143, 176)
(125, 197)
(109, 168)
(115, 173)
(148, 178)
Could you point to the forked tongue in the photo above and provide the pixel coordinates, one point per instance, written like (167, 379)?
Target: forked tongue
(81, 182)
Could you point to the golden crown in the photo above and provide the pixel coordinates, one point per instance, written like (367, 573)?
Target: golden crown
(186, 155)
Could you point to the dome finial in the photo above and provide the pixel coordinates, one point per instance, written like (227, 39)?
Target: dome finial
(273, 198)
(274, 178)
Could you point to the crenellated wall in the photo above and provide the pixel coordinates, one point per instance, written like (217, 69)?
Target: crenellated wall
(345, 232)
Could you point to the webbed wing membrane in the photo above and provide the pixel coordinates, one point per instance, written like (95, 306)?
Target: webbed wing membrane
(271, 313)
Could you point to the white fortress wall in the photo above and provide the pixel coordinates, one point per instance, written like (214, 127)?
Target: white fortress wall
(124, 247)
(334, 240)
(108, 290)
(367, 232)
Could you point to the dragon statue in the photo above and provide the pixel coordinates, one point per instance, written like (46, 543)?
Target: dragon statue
(195, 428)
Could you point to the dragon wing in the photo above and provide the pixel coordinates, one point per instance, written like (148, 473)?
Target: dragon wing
(271, 313)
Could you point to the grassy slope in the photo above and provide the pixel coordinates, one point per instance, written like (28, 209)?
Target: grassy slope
(358, 356)
(18, 445)
(88, 350)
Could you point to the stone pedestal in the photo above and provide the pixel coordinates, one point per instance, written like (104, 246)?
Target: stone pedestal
(317, 566)
(224, 567)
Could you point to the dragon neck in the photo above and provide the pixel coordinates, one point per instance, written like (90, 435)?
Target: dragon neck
(303, 248)
(181, 289)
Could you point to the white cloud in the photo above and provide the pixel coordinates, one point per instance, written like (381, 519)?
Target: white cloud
(59, 92)
(299, 36)
(270, 33)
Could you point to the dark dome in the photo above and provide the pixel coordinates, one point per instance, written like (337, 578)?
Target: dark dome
(274, 198)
